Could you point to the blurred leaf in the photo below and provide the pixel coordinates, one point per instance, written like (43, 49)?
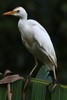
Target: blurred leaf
(37, 90)
(43, 74)
(3, 92)
(16, 90)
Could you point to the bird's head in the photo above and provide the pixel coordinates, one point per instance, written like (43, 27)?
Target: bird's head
(19, 11)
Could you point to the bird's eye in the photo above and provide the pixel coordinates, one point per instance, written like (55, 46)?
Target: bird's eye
(18, 11)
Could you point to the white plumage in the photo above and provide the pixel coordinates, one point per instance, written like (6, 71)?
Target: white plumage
(36, 39)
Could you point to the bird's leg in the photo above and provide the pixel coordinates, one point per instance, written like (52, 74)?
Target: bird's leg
(28, 79)
(55, 82)
(36, 63)
(55, 79)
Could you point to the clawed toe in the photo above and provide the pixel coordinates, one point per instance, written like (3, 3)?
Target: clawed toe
(53, 85)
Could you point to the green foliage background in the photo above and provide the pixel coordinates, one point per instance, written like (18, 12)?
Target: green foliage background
(37, 89)
(52, 14)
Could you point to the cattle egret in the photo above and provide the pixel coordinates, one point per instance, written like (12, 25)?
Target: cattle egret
(36, 40)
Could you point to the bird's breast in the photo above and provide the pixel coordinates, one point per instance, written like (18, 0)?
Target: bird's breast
(26, 34)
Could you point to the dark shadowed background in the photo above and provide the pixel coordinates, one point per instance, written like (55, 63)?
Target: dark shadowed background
(52, 14)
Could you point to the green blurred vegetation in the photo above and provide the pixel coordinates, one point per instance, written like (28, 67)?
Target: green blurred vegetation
(52, 14)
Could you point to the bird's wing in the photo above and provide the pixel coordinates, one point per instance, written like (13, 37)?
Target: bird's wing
(44, 42)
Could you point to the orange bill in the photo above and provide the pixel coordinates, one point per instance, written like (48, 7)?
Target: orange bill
(9, 13)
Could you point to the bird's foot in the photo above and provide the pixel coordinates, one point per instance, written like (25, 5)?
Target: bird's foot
(27, 81)
(26, 84)
(53, 85)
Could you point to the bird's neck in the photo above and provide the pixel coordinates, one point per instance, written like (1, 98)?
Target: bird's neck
(22, 20)
(22, 23)
(23, 17)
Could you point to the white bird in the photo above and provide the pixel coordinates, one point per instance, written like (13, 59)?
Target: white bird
(36, 40)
